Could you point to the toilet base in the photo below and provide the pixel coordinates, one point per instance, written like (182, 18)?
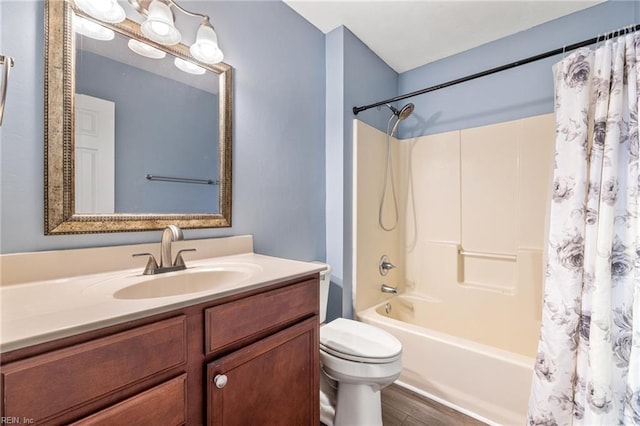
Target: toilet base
(358, 405)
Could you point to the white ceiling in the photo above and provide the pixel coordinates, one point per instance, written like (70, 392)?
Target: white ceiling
(408, 34)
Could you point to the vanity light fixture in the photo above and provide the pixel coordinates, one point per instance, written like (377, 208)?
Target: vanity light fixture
(189, 67)
(104, 10)
(159, 26)
(91, 29)
(145, 50)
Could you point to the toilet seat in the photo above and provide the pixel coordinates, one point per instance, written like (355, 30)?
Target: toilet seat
(356, 341)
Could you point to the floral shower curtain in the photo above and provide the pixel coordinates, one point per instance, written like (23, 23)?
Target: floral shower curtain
(587, 369)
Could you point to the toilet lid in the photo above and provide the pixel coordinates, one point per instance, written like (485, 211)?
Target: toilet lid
(358, 341)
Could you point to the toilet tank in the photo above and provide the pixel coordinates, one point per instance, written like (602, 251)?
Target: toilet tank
(325, 281)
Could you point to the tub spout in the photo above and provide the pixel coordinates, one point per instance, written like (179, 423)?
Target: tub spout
(388, 289)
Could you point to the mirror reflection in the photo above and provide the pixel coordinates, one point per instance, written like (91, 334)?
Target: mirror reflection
(133, 113)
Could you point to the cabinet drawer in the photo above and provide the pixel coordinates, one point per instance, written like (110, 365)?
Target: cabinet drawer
(47, 385)
(244, 320)
(163, 405)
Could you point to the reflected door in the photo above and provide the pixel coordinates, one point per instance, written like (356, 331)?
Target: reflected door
(94, 155)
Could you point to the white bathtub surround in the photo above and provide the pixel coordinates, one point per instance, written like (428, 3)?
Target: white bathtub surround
(480, 190)
(370, 241)
(588, 362)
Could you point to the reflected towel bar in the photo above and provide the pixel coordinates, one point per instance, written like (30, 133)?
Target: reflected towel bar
(182, 180)
(499, 256)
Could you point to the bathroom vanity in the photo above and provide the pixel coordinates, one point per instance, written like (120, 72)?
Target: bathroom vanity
(241, 355)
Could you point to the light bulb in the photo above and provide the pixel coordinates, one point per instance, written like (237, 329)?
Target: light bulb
(160, 28)
(104, 10)
(145, 50)
(205, 49)
(91, 29)
(159, 25)
(102, 5)
(189, 67)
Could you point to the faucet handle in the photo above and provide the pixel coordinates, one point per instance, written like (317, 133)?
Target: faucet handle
(152, 265)
(385, 265)
(179, 260)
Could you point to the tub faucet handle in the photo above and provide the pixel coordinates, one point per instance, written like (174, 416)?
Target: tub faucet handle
(385, 265)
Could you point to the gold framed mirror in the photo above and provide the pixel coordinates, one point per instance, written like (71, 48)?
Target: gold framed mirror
(62, 184)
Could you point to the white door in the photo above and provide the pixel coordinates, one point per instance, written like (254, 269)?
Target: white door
(95, 155)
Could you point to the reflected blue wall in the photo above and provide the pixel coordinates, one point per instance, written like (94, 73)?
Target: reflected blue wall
(152, 140)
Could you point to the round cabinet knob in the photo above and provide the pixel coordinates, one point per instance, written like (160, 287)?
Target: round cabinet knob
(220, 380)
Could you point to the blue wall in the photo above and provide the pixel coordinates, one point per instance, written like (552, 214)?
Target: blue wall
(278, 147)
(520, 92)
(355, 75)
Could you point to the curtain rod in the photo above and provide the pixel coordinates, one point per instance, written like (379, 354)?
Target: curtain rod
(545, 55)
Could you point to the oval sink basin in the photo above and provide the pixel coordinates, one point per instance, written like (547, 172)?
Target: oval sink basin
(184, 282)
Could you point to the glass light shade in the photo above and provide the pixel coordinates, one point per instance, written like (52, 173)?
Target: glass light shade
(91, 29)
(187, 66)
(205, 49)
(104, 10)
(159, 25)
(145, 50)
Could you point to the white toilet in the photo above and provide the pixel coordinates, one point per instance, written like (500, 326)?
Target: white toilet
(361, 360)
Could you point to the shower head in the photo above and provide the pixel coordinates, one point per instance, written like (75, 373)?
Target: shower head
(404, 112)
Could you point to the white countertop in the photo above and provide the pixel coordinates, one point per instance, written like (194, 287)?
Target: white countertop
(40, 311)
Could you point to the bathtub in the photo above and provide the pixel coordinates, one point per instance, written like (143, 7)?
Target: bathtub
(485, 382)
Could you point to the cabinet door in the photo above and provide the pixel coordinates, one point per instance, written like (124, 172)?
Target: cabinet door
(163, 405)
(271, 382)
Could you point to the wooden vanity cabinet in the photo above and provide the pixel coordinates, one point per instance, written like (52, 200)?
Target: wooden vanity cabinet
(274, 380)
(161, 370)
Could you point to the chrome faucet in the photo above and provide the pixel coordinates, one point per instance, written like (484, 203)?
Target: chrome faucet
(171, 233)
(389, 289)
